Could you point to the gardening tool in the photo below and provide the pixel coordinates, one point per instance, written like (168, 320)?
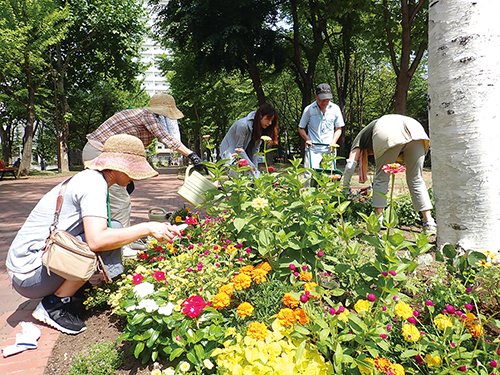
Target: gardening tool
(335, 174)
(158, 214)
(195, 186)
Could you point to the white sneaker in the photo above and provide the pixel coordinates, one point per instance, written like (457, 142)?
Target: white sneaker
(429, 228)
(128, 252)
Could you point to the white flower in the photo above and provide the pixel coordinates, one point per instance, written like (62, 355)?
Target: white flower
(184, 366)
(144, 289)
(208, 364)
(148, 304)
(266, 138)
(166, 310)
(131, 308)
(168, 371)
(260, 203)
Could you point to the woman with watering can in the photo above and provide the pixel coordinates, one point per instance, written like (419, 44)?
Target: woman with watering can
(244, 137)
(390, 138)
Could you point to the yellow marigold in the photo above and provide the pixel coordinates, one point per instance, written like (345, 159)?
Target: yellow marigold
(410, 332)
(241, 281)
(476, 330)
(265, 266)
(228, 289)
(221, 300)
(247, 270)
(305, 276)
(230, 249)
(403, 310)
(259, 275)
(178, 219)
(260, 203)
(362, 306)
(301, 316)
(442, 322)
(432, 360)
(382, 364)
(290, 301)
(344, 316)
(287, 317)
(257, 331)
(308, 287)
(397, 369)
(470, 318)
(245, 310)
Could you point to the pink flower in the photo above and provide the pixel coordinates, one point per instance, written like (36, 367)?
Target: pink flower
(292, 267)
(383, 336)
(493, 363)
(341, 309)
(419, 359)
(193, 306)
(271, 169)
(469, 307)
(304, 298)
(462, 368)
(415, 313)
(371, 297)
(137, 278)
(191, 220)
(242, 163)
(320, 253)
(332, 310)
(384, 273)
(389, 327)
(159, 275)
(429, 303)
(412, 320)
(304, 268)
(393, 168)
(450, 309)
(392, 273)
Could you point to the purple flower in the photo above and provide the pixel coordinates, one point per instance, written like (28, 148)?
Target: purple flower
(412, 320)
(450, 309)
(304, 298)
(320, 253)
(371, 297)
(296, 274)
(383, 336)
(469, 307)
(384, 308)
(419, 359)
(304, 268)
(493, 363)
(292, 267)
(389, 327)
(341, 309)
(248, 250)
(332, 310)
(384, 273)
(468, 290)
(429, 303)
(395, 298)
(392, 273)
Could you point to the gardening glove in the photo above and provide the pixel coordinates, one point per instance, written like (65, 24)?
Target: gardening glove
(197, 163)
(350, 167)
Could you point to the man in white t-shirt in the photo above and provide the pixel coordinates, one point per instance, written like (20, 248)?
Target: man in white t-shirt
(324, 123)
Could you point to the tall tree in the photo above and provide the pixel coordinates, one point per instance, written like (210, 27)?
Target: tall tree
(102, 44)
(406, 41)
(238, 35)
(464, 93)
(28, 29)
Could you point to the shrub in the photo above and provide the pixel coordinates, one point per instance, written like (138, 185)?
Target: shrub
(101, 359)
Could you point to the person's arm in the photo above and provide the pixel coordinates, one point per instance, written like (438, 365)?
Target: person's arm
(304, 121)
(305, 137)
(336, 136)
(101, 238)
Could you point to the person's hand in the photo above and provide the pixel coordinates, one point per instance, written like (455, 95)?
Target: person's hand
(163, 231)
(195, 159)
(239, 150)
(309, 143)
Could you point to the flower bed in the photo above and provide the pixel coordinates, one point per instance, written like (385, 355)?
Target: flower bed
(281, 279)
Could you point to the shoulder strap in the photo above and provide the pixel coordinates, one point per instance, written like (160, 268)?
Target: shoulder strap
(59, 202)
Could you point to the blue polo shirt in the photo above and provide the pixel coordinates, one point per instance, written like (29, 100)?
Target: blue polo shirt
(321, 127)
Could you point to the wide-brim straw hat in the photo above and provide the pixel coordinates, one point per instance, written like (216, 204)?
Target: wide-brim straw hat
(124, 153)
(164, 104)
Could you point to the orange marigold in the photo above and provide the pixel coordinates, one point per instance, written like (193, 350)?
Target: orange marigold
(259, 275)
(247, 270)
(382, 364)
(257, 331)
(290, 301)
(242, 281)
(476, 330)
(287, 317)
(245, 310)
(228, 289)
(305, 276)
(221, 300)
(301, 316)
(265, 266)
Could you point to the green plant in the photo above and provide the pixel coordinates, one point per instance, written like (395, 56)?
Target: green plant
(101, 359)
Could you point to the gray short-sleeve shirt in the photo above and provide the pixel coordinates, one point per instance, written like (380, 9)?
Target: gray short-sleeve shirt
(85, 196)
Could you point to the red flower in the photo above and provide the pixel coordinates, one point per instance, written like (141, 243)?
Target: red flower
(193, 306)
(242, 163)
(159, 275)
(271, 169)
(137, 278)
(393, 168)
(191, 220)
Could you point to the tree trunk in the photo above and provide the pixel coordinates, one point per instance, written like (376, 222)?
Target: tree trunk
(25, 165)
(464, 82)
(61, 109)
(6, 143)
(253, 70)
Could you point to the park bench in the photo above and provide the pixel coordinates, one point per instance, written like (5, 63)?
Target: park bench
(8, 170)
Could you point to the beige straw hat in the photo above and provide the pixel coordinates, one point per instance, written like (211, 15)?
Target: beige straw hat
(124, 153)
(164, 104)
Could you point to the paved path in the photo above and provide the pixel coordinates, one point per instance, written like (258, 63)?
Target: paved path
(17, 199)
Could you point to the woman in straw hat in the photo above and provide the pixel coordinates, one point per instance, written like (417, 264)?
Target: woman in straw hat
(84, 214)
(146, 124)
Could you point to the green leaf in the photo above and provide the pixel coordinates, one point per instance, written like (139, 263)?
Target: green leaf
(300, 351)
(200, 352)
(475, 257)
(409, 353)
(139, 347)
(239, 224)
(176, 353)
(302, 330)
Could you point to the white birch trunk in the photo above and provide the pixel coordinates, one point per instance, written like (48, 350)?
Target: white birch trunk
(464, 92)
